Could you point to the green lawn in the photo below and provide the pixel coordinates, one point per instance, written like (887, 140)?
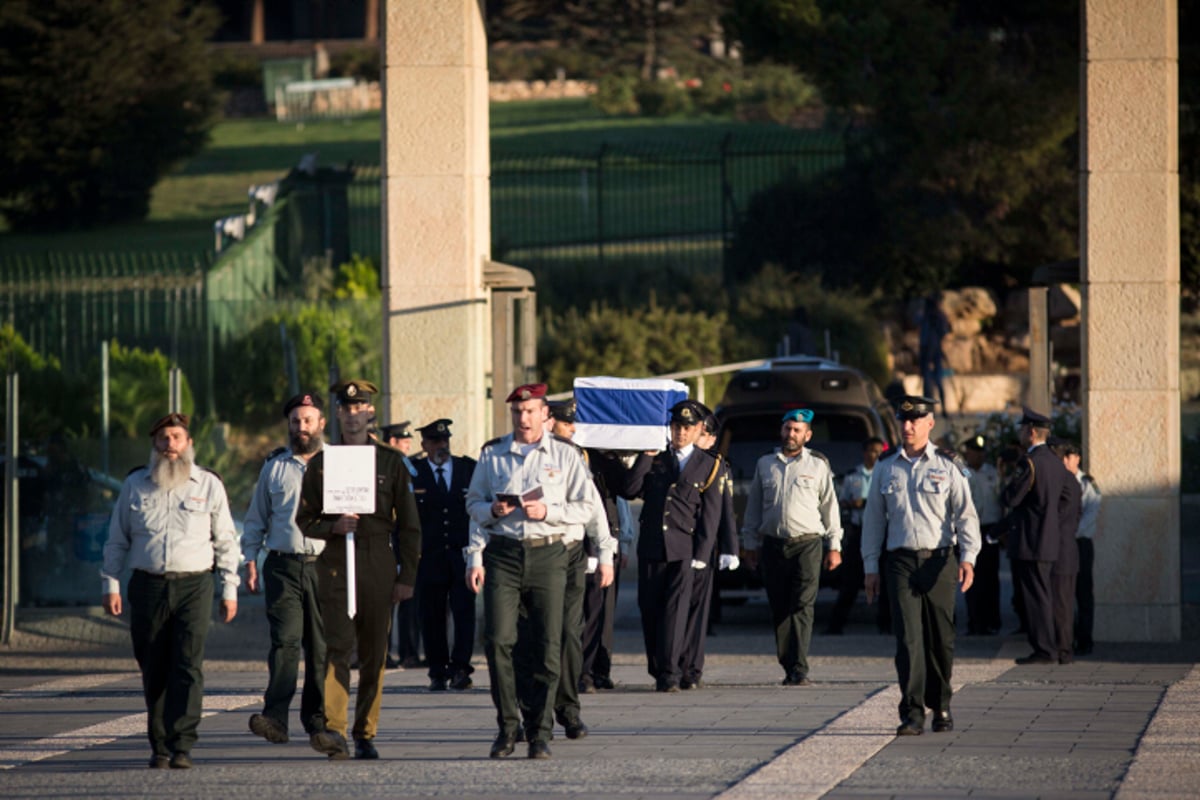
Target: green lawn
(544, 178)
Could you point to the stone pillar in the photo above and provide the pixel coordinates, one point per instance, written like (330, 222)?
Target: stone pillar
(1130, 264)
(436, 216)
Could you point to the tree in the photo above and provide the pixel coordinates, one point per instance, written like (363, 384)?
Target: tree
(643, 35)
(961, 118)
(100, 98)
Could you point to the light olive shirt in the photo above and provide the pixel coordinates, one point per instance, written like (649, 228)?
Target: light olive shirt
(188, 529)
(270, 522)
(921, 503)
(506, 468)
(791, 497)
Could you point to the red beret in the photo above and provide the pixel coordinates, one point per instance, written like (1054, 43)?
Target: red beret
(172, 420)
(527, 392)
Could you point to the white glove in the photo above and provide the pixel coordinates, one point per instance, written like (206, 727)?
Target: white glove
(729, 562)
(698, 564)
(593, 562)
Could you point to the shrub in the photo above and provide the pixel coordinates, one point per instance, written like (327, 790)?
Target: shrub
(616, 94)
(363, 63)
(139, 390)
(776, 92)
(662, 98)
(233, 70)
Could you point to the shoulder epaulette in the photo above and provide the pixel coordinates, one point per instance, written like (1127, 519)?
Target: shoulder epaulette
(278, 451)
(956, 460)
(489, 443)
(895, 451)
(212, 471)
(821, 456)
(135, 469)
(1089, 479)
(712, 476)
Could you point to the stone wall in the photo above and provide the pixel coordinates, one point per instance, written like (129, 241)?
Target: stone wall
(506, 91)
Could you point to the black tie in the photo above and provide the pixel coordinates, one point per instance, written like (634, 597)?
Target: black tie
(441, 479)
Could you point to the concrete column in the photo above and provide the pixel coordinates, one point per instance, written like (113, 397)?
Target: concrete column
(436, 216)
(1130, 264)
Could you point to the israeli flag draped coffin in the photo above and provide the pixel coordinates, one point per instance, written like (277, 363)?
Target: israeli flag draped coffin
(625, 413)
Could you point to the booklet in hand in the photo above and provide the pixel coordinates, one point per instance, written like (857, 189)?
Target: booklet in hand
(520, 499)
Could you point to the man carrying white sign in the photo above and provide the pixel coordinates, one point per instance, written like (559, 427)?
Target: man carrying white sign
(371, 478)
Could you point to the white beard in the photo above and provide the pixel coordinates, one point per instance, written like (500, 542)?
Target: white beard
(171, 474)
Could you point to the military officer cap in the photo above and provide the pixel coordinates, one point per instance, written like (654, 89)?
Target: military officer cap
(302, 400)
(977, 442)
(1034, 419)
(172, 420)
(688, 412)
(354, 391)
(563, 410)
(398, 431)
(804, 415)
(710, 424)
(529, 391)
(914, 407)
(438, 429)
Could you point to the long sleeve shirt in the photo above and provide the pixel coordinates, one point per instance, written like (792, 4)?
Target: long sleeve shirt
(917, 504)
(792, 497)
(1091, 506)
(985, 493)
(507, 467)
(270, 521)
(855, 486)
(188, 529)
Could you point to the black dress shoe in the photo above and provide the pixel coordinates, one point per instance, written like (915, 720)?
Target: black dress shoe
(504, 745)
(392, 662)
(604, 683)
(181, 760)
(331, 743)
(539, 749)
(666, 685)
(942, 722)
(437, 685)
(587, 685)
(575, 729)
(159, 762)
(268, 728)
(1033, 658)
(796, 678)
(690, 683)
(910, 729)
(461, 681)
(365, 749)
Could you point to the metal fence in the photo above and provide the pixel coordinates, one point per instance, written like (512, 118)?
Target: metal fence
(626, 202)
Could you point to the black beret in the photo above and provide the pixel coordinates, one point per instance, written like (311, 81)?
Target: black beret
(313, 400)
(172, 420)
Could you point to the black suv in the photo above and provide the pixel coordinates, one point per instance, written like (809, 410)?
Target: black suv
(848, 408)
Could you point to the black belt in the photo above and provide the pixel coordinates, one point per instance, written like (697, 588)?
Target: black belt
(304, 558)
(533, 541)
(171, 576)
(926, 553)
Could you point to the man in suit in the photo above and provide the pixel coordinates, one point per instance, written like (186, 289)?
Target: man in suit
(1040, 497)
(682, 507)
(441, 488)
(1066, 567)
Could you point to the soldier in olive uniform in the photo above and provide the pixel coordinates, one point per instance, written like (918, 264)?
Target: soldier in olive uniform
(919, 509)
(383, 576)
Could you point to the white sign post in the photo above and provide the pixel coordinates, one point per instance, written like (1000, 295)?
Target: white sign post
(349, 489)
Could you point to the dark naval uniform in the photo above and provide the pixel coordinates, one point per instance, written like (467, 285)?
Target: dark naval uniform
(700, 606)
(444, 531)
(680, 515)
(376, 571)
